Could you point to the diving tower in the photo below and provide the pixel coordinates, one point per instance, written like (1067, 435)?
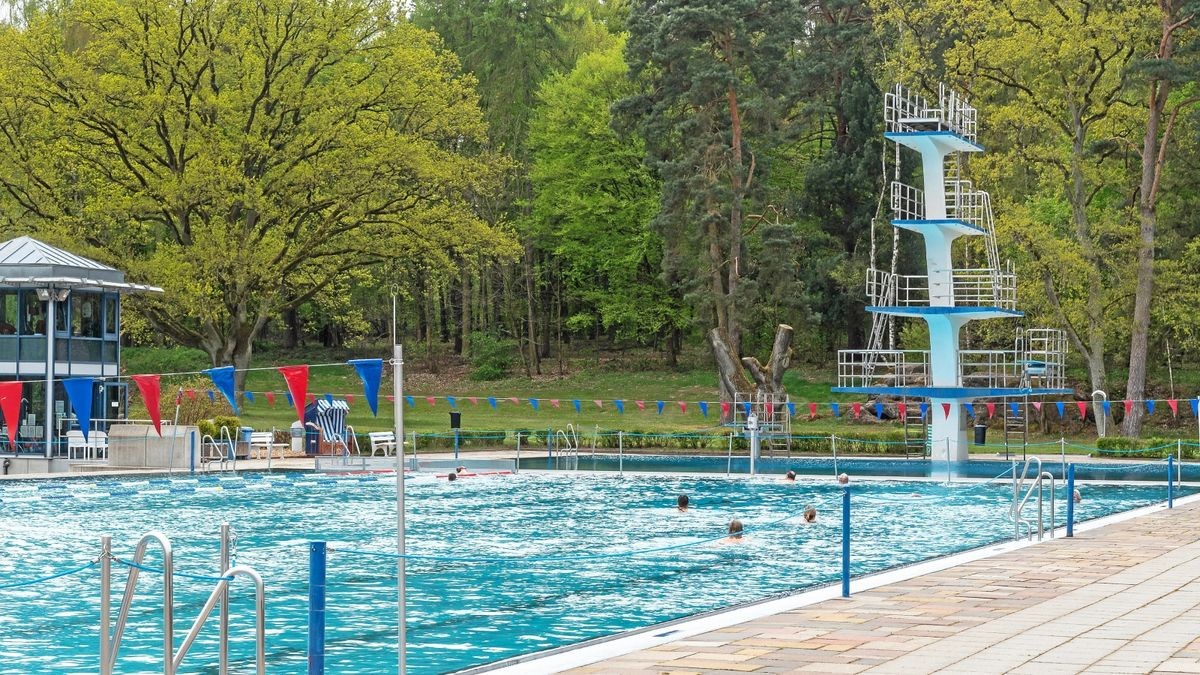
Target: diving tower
(947, 296)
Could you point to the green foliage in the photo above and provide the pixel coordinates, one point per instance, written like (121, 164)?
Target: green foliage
(163, 359)
(1140, 447)
(212, 427)
(491, 357)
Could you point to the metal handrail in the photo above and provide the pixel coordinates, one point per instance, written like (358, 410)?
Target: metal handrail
(260, 640)
(1018, 507)
(109, 646)
(569, 448)
(208, 441)
(883, 367)
(227, 438)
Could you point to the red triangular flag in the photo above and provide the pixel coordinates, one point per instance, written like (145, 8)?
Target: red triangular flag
(391, 399)
(271, 398)
(191, 393)
(473, 399)
(991, 410)
(152, 397)
(10, 405)
(683, 407)
(599, 403)
(857, 407)
(297, 384)
(641, 405)
(312, 398)
(1128, 406)
(349, 399)
(946, 410)
(515, 400)
(1174, 407)
(1037, 405)
(724, 409)
(812, 411)
(554, 402)
(902, 409)
(1082, 409)
(430, 400)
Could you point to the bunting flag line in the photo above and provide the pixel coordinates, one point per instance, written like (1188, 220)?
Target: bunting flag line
(453, 402)
(577, 405)
(878, 410)
(857, 408)
(290, 401)
(640, 404)
(412, 402)
(599, 403)
(991, 408)
(791, 409)
(1107, 408)
(1174, 405)
(222, 378)
(492, 401)
(1015, 408)
(554, 402)
(924, 409)
(836, 412)
(1149, 407)
(10, 406)
(1062, 409)
(746, 407)
(970, 410)
(271, 398)
(1037, 405)
(79, 393)
(659, 405)
(1128, 406)
(370, 371)
(473, 399)
(296, 378)
(902, 409)
(191, 394)
(533, 402)
(620, 406)
(248, 394)
(946, 411)
(328, 398)
(812, 411)
(683, 407)
(1195, 406)
(703, 408)
(150, 387)
(349, 399)
(515, 400)
(430, 400)
(724, 410)
(1082, 409)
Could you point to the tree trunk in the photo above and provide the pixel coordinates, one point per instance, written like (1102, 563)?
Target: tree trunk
(291, 328)
(770, 378)
(465, 323)
(531, 324)
(731, 377)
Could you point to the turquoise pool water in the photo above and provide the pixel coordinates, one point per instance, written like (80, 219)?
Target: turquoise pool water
(461, 613)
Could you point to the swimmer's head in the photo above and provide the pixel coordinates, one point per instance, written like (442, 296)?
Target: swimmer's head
(1076, 497)
(735, 528)
(451, 476)
(791, 475)
(810, 514)
(682, 502)
(844, 478)
(460, 469)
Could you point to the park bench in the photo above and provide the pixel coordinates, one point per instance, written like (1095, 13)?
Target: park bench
(266, 441)
(382, 440)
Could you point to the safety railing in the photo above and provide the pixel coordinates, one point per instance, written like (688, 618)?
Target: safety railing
(908, 202)
(883, 368)
(905, 111)
(1038, 361)
(1035, 483)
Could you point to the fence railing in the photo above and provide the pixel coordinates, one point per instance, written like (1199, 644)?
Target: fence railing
(905, 111)
(883, 368)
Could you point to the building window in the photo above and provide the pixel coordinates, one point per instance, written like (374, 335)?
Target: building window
(85, 315)
(110, 315)
(33, 320)
(9, 299)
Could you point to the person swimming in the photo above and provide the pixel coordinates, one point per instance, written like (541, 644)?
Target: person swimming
(682, 503)
(452, 476)
(810, 514)
(844, 478)
(790, 475)
(1076, 497)
(460, 469)
(735, 531)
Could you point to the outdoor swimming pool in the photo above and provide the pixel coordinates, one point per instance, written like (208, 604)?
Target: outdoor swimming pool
(460, 613)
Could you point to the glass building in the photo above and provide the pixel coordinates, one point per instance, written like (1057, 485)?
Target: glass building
(60, 317)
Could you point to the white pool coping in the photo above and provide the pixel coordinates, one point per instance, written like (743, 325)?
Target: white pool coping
(600, 649)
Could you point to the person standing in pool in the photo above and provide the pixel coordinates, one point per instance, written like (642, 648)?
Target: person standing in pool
(682, 503)
(844, 479)
(790, 475)
(735, 532)
(810, 514)
(452, 476)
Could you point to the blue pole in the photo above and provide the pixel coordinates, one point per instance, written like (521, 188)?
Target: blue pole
(456, 445)
(316, 608)
(191, 453)
(1170, 481)
(549, 448)
(845, 542)
(1071, 499)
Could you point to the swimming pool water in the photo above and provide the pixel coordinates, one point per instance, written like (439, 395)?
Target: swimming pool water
(460, 613)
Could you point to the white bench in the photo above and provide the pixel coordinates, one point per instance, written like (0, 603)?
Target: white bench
(382, 440)
(266, 441)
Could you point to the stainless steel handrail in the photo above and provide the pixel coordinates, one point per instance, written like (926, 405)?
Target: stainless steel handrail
(213, 598)
(1018, 507)
(109, 655)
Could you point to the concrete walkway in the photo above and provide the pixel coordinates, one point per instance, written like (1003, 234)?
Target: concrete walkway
(1120, 599)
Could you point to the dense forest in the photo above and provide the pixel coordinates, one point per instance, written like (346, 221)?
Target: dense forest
(547, 176)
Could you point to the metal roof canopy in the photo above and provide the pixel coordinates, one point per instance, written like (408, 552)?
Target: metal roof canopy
(25, 261)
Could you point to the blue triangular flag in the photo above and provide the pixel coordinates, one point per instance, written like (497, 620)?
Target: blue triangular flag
(791, 408)
(1195, 406)
(1062, 408)
(1016, 410)
(879, 410)
(836, 412)
(970, 410)
(223, 378)
(370, 371)
(746, 407)
(620, 406)
(924, 409)
(211, 397)
(249, 396)
(452, 401)
(1107, 408)
(533, 402)
(660, 405)
(703, 408)
(411, 402)
(492, 402)
(289, 398)
(329, 399)
(576, 403)
(79, 393)
(1150, 407)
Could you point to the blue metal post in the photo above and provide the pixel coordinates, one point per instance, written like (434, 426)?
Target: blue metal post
(845, 542)
(549, 448)
(456, 445)
(191, 453)
(1071, 499)
(316, 608)
(1170, 481)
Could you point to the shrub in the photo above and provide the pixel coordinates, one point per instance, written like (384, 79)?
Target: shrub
(491, 357)
(212, 427)
(1138, 447)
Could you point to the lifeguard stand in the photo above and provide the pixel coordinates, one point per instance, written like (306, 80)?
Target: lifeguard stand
(947, 296)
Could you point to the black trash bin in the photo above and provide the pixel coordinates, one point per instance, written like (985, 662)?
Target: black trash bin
(455, 419)
(980, 434)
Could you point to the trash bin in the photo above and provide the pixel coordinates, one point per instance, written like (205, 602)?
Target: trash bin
(244, 442)
(980, 434)
(455, 419)
(297, 434)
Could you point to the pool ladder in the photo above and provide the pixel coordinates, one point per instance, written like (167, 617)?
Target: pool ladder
(568, 449)
(1020, 500)
(110, 637)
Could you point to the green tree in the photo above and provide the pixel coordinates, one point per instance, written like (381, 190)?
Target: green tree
(594, 199)
(230, 149)
(720, 77)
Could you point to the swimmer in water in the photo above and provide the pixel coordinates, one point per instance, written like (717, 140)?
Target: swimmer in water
(1076, 497)
(790, 475)
(460, 469)
(844, 479)
(682, 503)
(452, 477)
(735, 532)
(810, 514)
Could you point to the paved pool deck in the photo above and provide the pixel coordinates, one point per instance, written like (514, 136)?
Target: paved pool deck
(1123, 598)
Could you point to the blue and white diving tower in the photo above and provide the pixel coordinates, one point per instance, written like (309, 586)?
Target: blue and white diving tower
(960, 284)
